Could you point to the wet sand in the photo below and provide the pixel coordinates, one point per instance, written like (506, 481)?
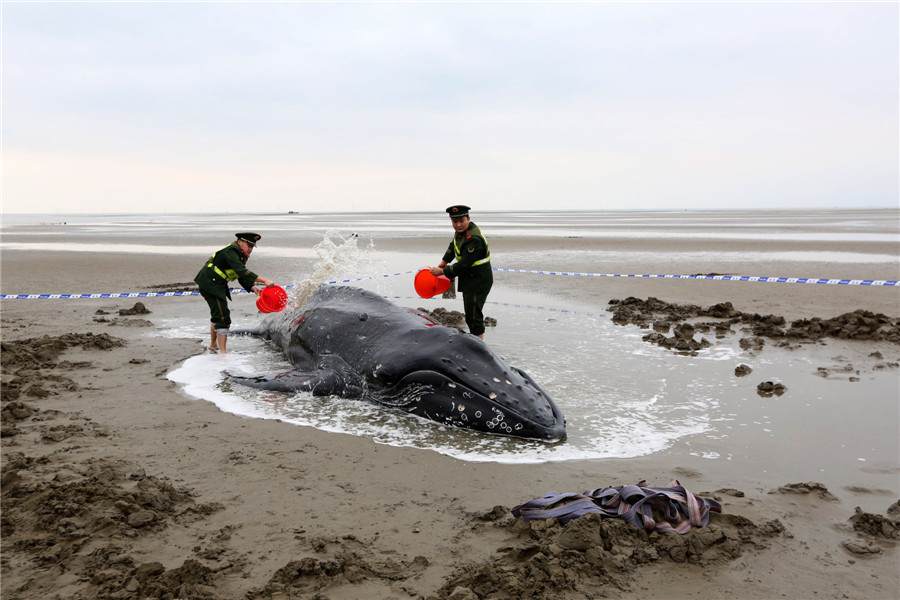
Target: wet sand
(117, 485)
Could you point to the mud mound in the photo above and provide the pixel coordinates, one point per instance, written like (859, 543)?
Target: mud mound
(641, 312)
(44, 422)
(767, 389)
(856, 325)
(447, 318)
(351, 562)
(35, 353)
(103, 496)
(874, 533)
(54, 511)
(682, 341)
(591, 553)
(114, 575)
(453, 318)
(137, 309)
(875, 525)
(22, 361)
(813, 488)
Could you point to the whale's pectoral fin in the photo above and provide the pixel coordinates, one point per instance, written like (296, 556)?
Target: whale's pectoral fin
(318, 383)
(330, 379)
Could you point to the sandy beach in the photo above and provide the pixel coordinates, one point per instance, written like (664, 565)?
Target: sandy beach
(116, 484)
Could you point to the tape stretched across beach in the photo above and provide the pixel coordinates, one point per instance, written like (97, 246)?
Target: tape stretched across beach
(804, 280)
(161, 294)
(875, 282)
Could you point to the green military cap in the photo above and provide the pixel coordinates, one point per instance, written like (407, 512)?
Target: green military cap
(458, 211)
(250, 238)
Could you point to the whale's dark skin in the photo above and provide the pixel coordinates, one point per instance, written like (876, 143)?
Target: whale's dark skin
(352, 343)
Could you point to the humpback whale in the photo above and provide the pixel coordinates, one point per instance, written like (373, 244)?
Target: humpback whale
(352, 343)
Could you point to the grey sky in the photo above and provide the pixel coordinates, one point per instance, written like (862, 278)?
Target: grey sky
(121, 107)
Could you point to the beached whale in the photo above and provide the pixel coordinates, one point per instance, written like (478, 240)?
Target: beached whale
(352, 343)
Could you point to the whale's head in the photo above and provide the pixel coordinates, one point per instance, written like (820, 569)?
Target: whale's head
(456, 379)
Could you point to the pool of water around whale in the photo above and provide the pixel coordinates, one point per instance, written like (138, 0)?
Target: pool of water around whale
(621, 396)
(582, 360)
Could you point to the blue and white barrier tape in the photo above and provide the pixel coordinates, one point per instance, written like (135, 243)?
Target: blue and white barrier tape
(159, 294)
(870, 282)
(875, 282)
(75, 296)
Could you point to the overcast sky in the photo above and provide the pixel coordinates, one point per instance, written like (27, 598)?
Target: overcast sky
(258, 107)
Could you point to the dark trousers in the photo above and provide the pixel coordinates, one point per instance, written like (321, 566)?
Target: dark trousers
(473, 304)
(220, 316)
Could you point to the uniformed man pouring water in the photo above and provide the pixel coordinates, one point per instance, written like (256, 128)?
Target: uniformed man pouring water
(472, 268)
(228, 264)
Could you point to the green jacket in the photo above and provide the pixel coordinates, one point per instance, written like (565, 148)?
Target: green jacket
(228, 264)
(468, 248)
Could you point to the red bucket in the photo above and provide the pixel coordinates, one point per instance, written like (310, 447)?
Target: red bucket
(272, 299)
(428, 286)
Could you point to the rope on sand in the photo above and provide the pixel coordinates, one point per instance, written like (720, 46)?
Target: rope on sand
(870, 282)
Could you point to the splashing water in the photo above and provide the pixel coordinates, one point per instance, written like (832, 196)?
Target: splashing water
(339, 257)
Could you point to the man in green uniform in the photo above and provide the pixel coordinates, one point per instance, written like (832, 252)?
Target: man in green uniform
(228, 264)
(473, 266)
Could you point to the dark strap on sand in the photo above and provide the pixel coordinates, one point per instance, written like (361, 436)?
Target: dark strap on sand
(676, 509)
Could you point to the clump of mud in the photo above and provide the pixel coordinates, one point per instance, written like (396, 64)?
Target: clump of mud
(44, 351)
(591, 553)
(453, 318)
(70, 517)
(113, 574)
(807, 488)
(352, 563)
(856, 325)
(137, 309)
(877, 525)
(447, 318)
(874, 532)
(767, 389)
(682, 340)
(23, 362)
